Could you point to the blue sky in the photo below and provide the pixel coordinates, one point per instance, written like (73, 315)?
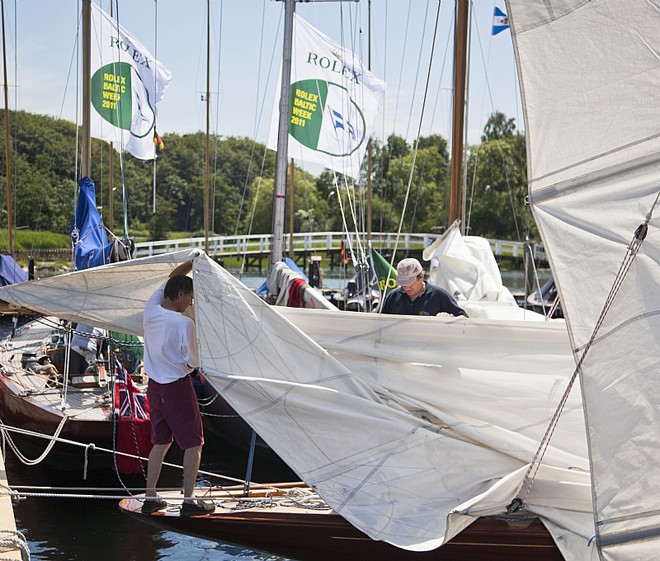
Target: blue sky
(246, 53)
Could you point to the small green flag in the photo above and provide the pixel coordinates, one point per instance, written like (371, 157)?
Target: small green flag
(385, 273)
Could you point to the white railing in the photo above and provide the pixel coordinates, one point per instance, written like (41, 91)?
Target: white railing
(260, 244)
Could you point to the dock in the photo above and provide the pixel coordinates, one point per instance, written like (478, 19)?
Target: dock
(10, 542)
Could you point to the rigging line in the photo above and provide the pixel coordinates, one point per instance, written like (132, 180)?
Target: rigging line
(343, 218)
(468, 215)
(419, 130)
(122, 153)
(216, 138)
(419, 64)
(442, 73)
(254, 208)
(631, 253)
(258, 122)
(507, 175)
(155, 172)
(422, 170)
(24, 459)
(350, 196)
(6, 428)
(403, 52)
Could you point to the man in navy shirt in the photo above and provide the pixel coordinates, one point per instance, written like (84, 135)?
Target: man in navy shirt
(416, 297)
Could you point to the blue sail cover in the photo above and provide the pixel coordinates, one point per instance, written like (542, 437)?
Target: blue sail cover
(88, 235)
(10, 271)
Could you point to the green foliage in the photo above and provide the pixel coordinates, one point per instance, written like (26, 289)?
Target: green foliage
(498, 126)
(499, 190)
(44, 192)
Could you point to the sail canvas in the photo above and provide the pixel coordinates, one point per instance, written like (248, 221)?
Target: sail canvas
(334, 103)
(409, 427)
(593, 147)
(127, 82)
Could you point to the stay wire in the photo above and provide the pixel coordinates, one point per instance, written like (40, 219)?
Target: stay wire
(631, 253)
(419, 131)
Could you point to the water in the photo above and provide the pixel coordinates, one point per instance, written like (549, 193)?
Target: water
(80, 529)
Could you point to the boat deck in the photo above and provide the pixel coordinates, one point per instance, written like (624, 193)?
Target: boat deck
(91, 403)
(291, 520)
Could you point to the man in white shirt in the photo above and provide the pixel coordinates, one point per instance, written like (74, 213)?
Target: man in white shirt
(170, 358)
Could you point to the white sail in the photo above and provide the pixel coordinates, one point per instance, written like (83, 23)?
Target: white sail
(590, 80)
(409, 427)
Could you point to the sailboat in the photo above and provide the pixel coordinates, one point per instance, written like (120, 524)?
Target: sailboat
(46, 393)
(416, 431)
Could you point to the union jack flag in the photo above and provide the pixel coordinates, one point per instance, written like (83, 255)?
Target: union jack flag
(129, 400)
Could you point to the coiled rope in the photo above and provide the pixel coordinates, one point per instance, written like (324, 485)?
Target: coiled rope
(15, 541)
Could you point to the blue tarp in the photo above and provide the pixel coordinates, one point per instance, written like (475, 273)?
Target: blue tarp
(10, 271)
(88, 234)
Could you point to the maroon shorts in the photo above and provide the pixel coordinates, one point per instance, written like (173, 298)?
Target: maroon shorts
(175, 413)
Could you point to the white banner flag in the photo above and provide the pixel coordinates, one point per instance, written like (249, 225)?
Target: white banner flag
(334, 103)
(126, 84)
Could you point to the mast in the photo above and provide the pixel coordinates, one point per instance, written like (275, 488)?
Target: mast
(292, 189)
(86, 140)
(281, 161)
(207, 155)
(279, 193)
(7, 147)
(458, 117)
(369, 161)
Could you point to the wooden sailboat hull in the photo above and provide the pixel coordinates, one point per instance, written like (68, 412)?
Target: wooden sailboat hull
(27, 403)
(323, 535)
(28, 414)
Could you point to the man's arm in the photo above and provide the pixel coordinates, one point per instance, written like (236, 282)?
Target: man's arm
(182, 269)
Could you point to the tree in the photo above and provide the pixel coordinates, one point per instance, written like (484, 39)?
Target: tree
(498, 126)
(498, 193)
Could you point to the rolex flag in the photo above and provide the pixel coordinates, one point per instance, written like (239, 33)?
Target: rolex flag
(333, 106)
(126, 84)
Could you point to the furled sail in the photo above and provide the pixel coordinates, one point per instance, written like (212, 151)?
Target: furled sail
(88, 234)
(590, 79)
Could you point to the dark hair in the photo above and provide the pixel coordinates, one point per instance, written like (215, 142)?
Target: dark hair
(42, 359)
(177, 284)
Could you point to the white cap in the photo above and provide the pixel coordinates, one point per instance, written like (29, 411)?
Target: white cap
(407, 271)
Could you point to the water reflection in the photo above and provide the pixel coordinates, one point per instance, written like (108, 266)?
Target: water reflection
(83, 529)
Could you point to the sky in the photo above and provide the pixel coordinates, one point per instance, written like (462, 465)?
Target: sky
(246, 39)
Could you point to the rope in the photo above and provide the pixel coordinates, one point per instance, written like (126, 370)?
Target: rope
(304, 498)
(6, 437)
(25, 432)
(414, 160)
(15, 541)
(631, 253)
